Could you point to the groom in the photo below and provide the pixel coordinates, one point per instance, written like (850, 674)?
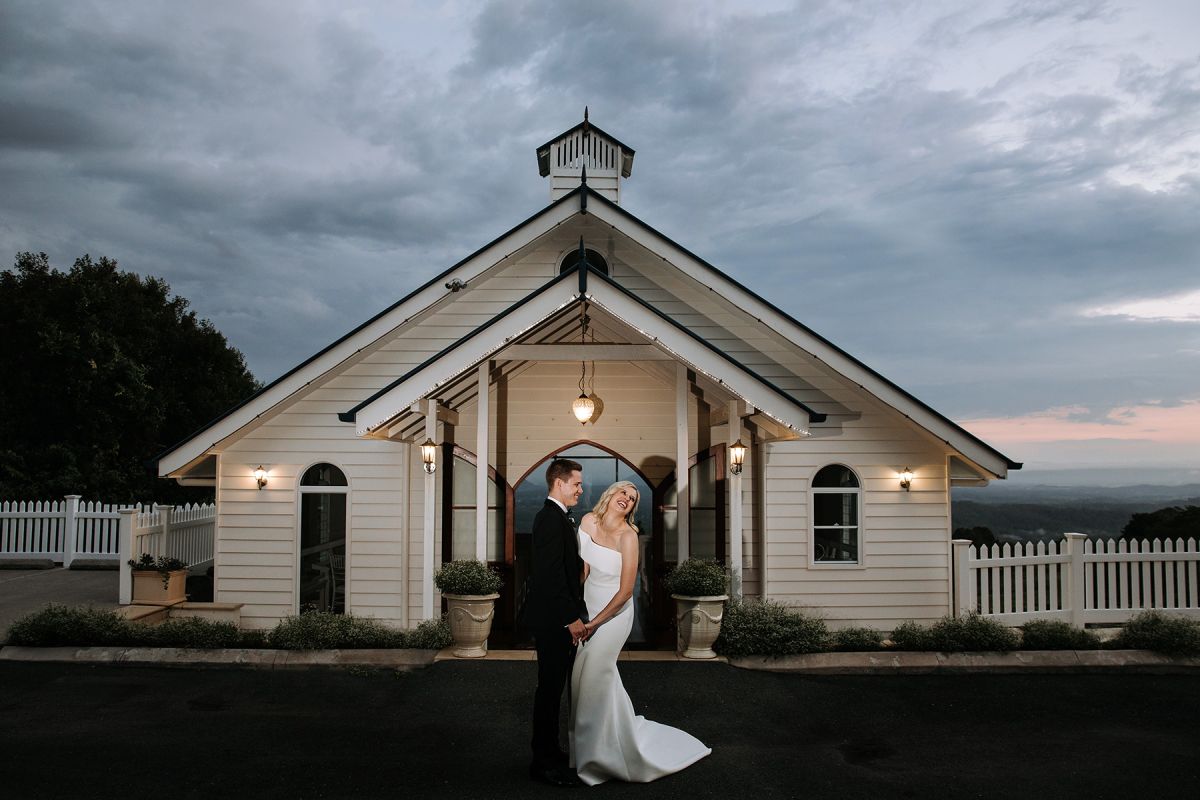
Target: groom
(554, 612)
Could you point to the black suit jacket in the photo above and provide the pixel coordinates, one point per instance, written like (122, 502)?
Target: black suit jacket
(555, 595)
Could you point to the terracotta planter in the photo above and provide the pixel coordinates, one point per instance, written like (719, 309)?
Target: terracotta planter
(471, 622)
(148, 587)
(698, 623)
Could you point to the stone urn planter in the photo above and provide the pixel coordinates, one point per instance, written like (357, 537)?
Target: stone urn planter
(471, 590)
(158, 582)
(698, 588)
(471, 622)
(698, 624)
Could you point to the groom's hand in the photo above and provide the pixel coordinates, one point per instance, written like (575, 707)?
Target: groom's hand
(578, 631)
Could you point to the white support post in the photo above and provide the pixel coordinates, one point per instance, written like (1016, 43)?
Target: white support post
(70, 523)
(430, 506)
(125, 553)
(1075, 542)
(482, 460)
(405, 529)
(964, 583)
(165, 513)
(735, 507)
(683, 503)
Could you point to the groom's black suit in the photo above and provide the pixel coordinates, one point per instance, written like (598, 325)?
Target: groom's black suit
(554, 601)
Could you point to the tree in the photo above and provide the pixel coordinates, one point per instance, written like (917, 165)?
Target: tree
(978, 535)
(1174, 522)
(102, 370)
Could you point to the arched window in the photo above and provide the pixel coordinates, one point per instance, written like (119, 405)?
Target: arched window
(836, 511)
(594, 259)
(322, 579)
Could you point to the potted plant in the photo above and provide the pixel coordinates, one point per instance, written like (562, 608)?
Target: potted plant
(158, 581)
(698, 587)
(470, 589)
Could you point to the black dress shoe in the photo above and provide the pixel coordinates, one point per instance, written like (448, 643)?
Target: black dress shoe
(555, 776)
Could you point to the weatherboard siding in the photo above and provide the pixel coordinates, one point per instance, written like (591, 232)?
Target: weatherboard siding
(905, 572)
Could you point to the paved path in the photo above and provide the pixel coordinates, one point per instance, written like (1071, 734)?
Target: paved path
(26, 590)
(459, 730)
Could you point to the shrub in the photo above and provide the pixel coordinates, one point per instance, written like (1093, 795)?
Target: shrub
(61, 626)
(770, 629)
(1052, 634)
(696, 577)
(432, 634)
(193, 632)
(1154, 630)
(323, 630)
(955, 635)
(857, 640)
(910, 636)
(468, 577)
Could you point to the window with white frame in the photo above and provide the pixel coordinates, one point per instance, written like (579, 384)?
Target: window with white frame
(836, 511)
(322, 579)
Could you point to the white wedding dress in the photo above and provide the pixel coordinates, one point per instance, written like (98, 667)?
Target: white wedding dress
(607, 740)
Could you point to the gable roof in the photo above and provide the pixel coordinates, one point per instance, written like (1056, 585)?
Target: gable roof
(549, 300)
(753, 306)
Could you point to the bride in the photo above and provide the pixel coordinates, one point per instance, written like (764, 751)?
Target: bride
(607, 740)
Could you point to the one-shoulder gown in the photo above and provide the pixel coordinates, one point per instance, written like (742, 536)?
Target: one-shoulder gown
(609, 741)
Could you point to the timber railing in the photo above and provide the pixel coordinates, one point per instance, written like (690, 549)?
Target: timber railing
(1077, 579)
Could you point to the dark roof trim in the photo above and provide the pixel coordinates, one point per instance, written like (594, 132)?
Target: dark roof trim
(583, 268)
(1013, 465)
(565, 198)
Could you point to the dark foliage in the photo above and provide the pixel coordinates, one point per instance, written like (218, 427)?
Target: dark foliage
(1176, 522)
(64, 626)
(1163, 633)
(856, 640)
(956, 634)
(978, 535)
(1045, 634)
(103, 370)
(696, 577)
(767, 628)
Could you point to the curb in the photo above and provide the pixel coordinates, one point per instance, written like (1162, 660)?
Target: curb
(401, 660)
(905, 663)
(1024, 661)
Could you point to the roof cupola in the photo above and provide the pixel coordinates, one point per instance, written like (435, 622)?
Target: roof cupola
(565, 157)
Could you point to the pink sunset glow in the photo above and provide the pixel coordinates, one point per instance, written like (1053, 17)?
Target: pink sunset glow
(1173, 425)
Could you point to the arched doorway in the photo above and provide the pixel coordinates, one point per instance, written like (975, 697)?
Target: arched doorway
(601, 468)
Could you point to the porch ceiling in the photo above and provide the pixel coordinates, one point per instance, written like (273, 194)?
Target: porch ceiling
(611, 337)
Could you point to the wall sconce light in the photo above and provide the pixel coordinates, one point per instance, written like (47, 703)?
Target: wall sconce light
(260, 477)
(737, 457)
(429, 456)
(906, 476)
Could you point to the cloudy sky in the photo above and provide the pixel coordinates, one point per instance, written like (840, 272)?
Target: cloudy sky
(995, 204)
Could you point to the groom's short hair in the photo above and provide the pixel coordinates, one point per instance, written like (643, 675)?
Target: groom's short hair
(559, 470)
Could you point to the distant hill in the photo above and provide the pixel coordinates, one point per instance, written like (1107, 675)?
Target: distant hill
(1018, 513)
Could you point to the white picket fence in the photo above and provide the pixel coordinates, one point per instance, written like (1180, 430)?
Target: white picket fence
(64, 530)
(1079, 580)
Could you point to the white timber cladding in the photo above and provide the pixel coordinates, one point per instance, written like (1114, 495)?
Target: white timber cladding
(904, 570)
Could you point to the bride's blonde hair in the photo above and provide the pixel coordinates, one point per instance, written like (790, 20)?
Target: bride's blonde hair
(602, 504)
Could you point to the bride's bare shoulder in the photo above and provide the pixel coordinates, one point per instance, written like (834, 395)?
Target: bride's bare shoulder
(588, 519)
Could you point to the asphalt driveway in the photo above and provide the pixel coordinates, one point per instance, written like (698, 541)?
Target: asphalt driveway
(459, 730)
(23, 591)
